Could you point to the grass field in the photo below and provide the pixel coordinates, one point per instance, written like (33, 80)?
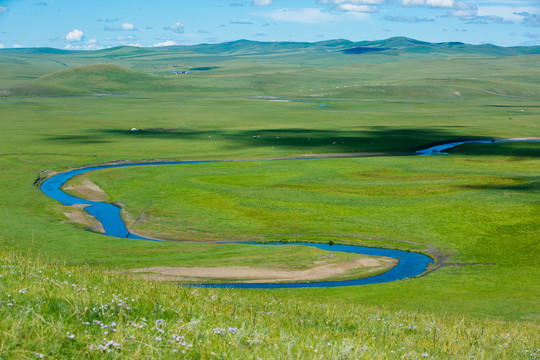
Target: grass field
(476, 210)
(80, 312)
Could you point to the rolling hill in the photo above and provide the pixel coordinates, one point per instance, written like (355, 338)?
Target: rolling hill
(101, 78)
(395, 45)
(90, 79)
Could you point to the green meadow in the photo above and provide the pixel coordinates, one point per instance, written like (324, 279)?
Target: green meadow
(475, 211)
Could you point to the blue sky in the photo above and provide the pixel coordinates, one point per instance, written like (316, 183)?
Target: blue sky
(89, 25)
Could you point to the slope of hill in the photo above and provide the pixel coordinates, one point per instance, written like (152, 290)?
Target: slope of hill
(38, 62)
(91, 79)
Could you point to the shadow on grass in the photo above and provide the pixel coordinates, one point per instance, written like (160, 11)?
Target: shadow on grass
(80, 139)
(375, 138)
(531, 186)
(518, 149)
(303, 140)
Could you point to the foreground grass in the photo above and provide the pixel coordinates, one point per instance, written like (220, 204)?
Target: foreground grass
(66, 312)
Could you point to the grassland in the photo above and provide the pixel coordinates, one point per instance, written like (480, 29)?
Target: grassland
(476, 208)
(81, 312)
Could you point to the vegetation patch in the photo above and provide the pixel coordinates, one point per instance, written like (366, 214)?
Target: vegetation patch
(67, 312)
(476, 210)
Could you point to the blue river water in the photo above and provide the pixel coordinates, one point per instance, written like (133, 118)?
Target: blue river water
(410, 263)
(440, 149)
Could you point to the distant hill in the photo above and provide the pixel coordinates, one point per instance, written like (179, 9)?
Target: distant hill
(391, 46)
(32, 51)
(50, 71)
(403, 45)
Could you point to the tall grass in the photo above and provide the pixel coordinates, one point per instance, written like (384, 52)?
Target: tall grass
(67, 312)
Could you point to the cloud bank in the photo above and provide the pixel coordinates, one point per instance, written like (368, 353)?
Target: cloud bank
(75, 35)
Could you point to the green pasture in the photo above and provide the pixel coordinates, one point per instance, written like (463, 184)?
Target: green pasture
(453, 202)
(66, 312)
(475, 210)
(476, 213)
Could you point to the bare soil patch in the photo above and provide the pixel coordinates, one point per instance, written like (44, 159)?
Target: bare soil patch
(87, 189)
(524, 138)
(77, 215)
(247, 274)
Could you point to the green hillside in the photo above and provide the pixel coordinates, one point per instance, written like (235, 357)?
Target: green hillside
(329, 52)
(101, 78)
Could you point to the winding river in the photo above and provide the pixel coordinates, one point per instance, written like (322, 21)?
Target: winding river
(410, 263)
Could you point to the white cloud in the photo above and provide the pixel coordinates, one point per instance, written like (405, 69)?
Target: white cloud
(481, 14)
(357, 8)
(350, 2)
(83, 47)
(166, 43)
(177, 27)
(124, 38)
(506, 12)
(408, 19)
(306, 15)
(432, 3)
(3, 9)
(2, 46)
(17, 46)
(464, 14)
(75, 35)
(91, 44)
(124, 27)
(261, 2)
(441, 3)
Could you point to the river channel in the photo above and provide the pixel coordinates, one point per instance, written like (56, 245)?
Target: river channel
(410, 263)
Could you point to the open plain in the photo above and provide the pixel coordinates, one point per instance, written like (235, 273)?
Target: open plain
(71, 293)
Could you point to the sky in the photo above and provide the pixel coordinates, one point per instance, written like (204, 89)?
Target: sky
(98, 24)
